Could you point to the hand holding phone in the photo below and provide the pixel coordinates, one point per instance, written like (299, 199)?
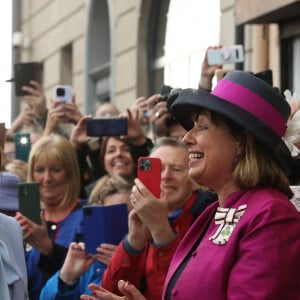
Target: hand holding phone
(149, 172)
(24, 73)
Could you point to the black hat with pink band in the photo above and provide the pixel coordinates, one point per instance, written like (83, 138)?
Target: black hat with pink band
(248, 101)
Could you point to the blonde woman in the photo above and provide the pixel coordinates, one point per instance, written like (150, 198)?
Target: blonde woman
(53, 164)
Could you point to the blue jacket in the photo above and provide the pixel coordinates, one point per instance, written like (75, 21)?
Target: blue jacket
(55, 289)
(41, 268)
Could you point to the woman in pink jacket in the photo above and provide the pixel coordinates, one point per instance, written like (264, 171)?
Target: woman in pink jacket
(247, 245)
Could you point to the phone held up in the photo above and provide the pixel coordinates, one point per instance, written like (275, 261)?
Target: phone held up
(22, 146)
(149, 172)
(111, 222)
(29, 201)
(63, 93)
(107, 127)
(225, 55)
(23, 74)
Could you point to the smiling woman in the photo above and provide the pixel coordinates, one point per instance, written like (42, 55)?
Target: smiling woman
(53, 165)
(5, 60)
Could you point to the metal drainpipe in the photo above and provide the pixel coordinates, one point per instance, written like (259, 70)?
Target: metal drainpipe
(239, 40)
(16, 53)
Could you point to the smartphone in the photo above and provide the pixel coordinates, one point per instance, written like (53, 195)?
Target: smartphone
(29, 201)
(22, 146)
(23, 73)
(225, 55)
(107, 127)
(104, 224)
(64, 93)
(149, 172)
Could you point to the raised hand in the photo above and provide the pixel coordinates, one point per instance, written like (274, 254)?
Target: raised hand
(105, 253)
(72, 112)
(78, 135)
(135, 132)
(77, 262)
(138, 233)
(140, 104)
(158, 115)
(26, 117)
(35, 235)
(152, 212)
(36, 99)
(56, 115)
(207, 71)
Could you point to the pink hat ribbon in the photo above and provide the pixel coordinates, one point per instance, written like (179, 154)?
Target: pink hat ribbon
(253, 103)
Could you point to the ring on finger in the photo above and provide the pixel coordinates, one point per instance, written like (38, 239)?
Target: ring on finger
(157, 114)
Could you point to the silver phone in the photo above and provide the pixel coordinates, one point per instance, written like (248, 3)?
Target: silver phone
(225, 55)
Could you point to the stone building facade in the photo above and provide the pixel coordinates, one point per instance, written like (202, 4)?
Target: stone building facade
(113, 49)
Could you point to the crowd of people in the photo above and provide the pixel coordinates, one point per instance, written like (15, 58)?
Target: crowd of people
(224, 226)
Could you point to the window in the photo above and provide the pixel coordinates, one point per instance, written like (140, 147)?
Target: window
(290, 55)
(98, 75)
(180, 44)
(66, 69)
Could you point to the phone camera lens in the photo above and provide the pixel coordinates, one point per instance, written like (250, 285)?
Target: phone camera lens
(145, 165)
(60, 92)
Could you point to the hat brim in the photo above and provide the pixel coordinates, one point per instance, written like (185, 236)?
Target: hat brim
(185, 106)
(9, 202)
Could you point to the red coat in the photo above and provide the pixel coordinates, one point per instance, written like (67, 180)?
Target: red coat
(148, 270)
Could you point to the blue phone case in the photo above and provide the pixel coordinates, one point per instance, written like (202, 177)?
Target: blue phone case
(106, 127)
(104, 224)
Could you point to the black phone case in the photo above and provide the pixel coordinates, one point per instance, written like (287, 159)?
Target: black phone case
(24, 72)
(29, 200)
